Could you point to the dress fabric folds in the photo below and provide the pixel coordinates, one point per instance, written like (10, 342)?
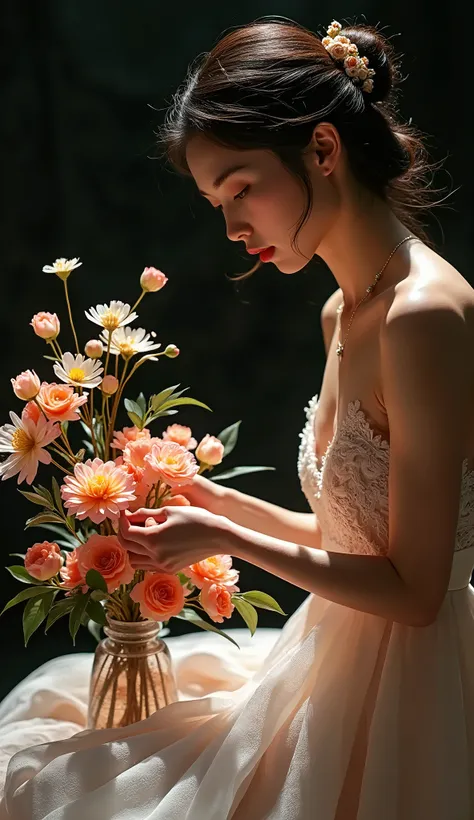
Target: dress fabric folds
(339, 715)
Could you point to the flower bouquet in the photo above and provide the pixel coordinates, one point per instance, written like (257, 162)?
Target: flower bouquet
(111, 471)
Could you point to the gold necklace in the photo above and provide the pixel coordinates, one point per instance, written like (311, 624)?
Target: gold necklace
(341, 345)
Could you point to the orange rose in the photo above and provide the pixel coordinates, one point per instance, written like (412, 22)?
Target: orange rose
(105, 554)
(217, 601)
(71, 573)
(59, 401)
(43, 560)
(160, 596)
(215, 570)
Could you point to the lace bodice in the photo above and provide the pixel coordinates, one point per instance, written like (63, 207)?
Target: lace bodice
(349, 490)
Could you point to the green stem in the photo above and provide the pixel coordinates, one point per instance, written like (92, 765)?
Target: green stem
(70, 314)
(138, 301)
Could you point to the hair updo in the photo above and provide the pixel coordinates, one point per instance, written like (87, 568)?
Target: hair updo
(267, 84)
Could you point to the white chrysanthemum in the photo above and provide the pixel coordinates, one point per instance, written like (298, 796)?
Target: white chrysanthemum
(25, 440)
(63, 265)
(79, 371)
(111, 316)
(127, 341)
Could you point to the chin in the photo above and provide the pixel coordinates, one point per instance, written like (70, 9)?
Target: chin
(293, 265)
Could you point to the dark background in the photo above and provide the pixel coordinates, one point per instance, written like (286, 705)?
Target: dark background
(84, 86)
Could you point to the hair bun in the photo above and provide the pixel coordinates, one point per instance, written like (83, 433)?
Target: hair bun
(380, 54)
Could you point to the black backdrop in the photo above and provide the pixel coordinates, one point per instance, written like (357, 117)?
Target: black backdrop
(84, 84)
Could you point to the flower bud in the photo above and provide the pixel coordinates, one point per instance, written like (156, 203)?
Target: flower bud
(26, 386)
(46, 325)
(94, 349)
(109, 385)
(210, 450)
(171, 351)
(152, 279)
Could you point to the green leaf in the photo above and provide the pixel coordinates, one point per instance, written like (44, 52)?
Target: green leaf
(36, 499)
(59, 609)
(262, 600)
(67, 537)
(86, 429)
(159, 398)
(248, 613)
(133, 407)
(57, 495)
(197, 621)
(18, 554)
(229, 437)
(22, 574)
(94, 628)
(52, 358)
(186, 400)
(235, 471)
(141, 401)
(98, 595)
(64, 426)
(137, 420)
(35, 612)
(96, 612)
(43, 518)
(95, 580)
(24, 595)
(76, 614)
(45, 492)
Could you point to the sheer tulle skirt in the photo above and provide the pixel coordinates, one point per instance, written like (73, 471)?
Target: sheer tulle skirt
(337, 716)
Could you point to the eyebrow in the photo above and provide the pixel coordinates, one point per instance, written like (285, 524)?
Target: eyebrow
(222, 177)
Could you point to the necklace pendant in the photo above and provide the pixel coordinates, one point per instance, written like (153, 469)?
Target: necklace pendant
(339, 349)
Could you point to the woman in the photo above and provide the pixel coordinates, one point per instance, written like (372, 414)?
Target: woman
(362, 706)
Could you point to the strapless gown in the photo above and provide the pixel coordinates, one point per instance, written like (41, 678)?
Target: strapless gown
(339, 715)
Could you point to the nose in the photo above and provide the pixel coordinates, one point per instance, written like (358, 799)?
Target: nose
(236, 232)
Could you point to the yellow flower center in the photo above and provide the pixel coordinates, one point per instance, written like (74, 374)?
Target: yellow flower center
(110, 320)
(77, 374)
(21, 441)
(126, 350)
(98, 486)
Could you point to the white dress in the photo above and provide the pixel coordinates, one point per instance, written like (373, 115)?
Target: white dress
(338, 715)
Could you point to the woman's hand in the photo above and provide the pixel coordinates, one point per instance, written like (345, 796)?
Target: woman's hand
(168, 539)
(202, 492)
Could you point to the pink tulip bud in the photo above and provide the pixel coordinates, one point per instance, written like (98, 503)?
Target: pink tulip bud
(109, 385)
(171, 351)
(210, 450)
(94, 349)
(46, 325)
(26, 386)
(152, 279)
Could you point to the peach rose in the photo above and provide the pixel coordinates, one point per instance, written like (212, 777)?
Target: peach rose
(71, 573)
(59, 401)
(181, 435)
(46, 325)
(171, 463)
(215, 570)
(105, 554)
(43, 560)
(217, 601)
(31, 411)
(153, 279)
(210, 450)
(26, 386)
(133, 462)
(337, 50)
(121, 438)
(160, 596)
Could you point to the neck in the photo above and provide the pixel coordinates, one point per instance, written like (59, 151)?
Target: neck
(359, 244)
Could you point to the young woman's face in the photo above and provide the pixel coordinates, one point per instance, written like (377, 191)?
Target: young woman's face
(263, 202)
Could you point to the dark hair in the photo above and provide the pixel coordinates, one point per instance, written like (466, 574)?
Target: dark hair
(267, 84)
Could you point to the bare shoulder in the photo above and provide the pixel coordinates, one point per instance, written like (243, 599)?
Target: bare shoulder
(329, 316)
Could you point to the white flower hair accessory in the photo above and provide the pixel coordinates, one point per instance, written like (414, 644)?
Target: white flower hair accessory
(342, 50)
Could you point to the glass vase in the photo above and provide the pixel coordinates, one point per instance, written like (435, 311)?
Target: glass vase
(132, 674)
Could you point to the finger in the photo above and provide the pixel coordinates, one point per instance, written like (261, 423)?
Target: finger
(131, 545)
(141, 536)
(142, 513)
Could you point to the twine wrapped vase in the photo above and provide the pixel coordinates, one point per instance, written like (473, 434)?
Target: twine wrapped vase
(132, 674)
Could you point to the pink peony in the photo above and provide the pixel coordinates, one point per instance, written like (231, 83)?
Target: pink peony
(45, 325)
(217, 601)
(171, 463)
(181, 435)
(43, 560)
(121, 438)
(217, 569)
(105, 554)
(160, 596)
(97, 490)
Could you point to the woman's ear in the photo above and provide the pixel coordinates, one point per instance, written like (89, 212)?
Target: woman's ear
(325, 145)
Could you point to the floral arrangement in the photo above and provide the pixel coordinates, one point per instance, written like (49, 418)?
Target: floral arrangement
(344, 51)
(115, 470)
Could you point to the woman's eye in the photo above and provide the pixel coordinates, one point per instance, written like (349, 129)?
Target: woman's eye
(237, 196)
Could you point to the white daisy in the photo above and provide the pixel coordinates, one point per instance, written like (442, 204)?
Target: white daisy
(63, 267)
(111, 316)
(128, 341)
(25, 440)
(78, 370)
